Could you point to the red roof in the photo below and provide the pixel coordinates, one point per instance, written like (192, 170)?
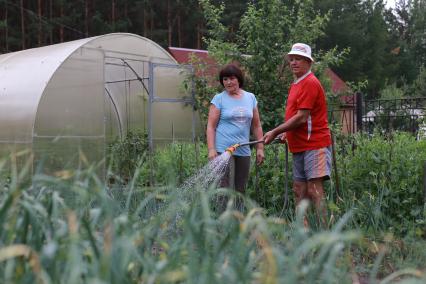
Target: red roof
(337, 84)
(182, 55)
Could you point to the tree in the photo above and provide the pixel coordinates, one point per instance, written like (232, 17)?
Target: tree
(375, 57)
(22, 24)
(4, 26)
(266, 32)
(407, 27)
(419, 85)
(417, 31)
(360, 26)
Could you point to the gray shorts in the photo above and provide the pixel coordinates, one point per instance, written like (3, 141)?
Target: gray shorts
(312, 164)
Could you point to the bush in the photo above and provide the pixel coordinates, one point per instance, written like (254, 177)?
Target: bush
(125, 154)
(382, 181)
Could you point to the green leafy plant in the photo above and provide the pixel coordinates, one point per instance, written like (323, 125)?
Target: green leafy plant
(382, 180)
(124, 155)
(267, 30)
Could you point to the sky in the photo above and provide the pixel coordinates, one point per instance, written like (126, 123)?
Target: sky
(390, 3)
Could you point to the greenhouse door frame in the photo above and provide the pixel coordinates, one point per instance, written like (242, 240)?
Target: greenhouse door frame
(124, 59)
(153, 98)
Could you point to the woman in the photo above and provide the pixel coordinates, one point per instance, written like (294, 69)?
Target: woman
(232, 114)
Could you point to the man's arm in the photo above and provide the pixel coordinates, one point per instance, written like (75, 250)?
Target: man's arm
(300, 118)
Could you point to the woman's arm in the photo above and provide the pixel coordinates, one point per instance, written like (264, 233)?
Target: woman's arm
(213, 119)
(257, 131)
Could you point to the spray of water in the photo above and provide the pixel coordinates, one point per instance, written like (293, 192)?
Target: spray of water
(209, 174)
(206, 177)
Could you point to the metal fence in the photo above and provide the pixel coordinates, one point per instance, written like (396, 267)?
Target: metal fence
(353, 114)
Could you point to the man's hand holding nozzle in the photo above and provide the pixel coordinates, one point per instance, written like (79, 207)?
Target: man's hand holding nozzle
(282, 138)
(270, 137)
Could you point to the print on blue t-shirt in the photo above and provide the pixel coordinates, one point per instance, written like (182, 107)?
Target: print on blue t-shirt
(235, 121)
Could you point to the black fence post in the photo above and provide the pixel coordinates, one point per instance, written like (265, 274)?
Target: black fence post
(359, 112)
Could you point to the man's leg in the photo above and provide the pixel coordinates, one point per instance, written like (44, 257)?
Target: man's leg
(318, 168)
(300, 189)
(300, 185)
(315, 191)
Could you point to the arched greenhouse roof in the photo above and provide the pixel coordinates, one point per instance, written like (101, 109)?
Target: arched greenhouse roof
(25, 75)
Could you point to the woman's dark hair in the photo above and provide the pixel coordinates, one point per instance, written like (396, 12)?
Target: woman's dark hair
(231, 70)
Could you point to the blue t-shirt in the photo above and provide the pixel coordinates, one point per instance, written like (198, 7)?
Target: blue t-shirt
(234, 121)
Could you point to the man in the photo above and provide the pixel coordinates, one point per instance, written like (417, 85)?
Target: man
(306, 130)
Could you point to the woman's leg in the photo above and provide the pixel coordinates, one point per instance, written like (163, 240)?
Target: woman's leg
(241, 174)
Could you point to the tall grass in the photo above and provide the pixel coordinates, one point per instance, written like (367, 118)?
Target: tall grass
(98, 240)
(76, 229)
(382, 180)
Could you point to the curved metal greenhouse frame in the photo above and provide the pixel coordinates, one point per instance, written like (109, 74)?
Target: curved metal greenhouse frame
(64, 101)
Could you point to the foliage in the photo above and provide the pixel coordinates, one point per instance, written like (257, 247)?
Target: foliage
(417, 29)
(46, 239)
(172, 164)
(386, 45)
(203, 84)
(396, 56)
(378, 173)
(391, 92)
(124, 155)
(166, 235)
(382, 181)
(419, 85)
(416, 89)
(268, 182)
(267, 31)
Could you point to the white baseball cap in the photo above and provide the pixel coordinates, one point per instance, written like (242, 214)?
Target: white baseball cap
(302, 50)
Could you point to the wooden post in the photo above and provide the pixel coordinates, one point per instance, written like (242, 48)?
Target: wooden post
(336, 172)
(359, 113)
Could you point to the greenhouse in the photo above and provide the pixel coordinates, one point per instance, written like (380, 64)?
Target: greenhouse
(62, 104)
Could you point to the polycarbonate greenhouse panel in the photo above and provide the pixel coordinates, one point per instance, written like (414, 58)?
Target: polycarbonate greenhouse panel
(15, 156)
(132, 46)
(112, 122)
(169, 82)
(61, 156)
(73, 101)
(23, 78)
(172, 122)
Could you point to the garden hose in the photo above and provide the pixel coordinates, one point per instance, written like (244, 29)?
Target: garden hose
(286, 201)
(234, 147)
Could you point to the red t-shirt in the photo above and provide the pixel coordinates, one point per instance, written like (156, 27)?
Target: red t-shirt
(308, 94)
